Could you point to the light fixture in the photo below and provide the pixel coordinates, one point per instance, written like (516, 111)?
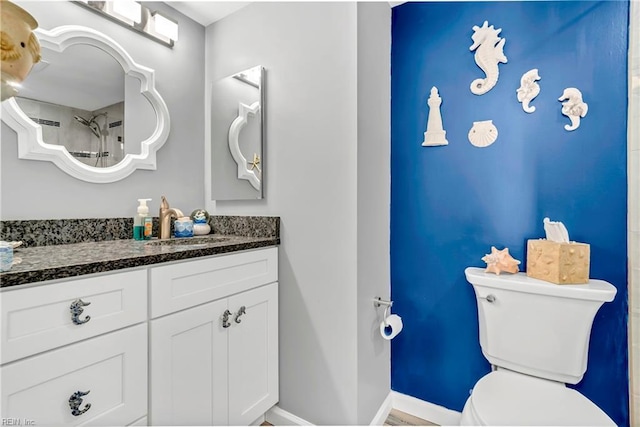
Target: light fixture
(135, 16)
(128, 11)
(163, 26)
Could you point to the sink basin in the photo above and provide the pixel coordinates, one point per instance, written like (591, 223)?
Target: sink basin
(185, 241)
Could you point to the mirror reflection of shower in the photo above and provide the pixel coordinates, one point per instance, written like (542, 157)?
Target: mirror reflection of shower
(94, 137)
(100, 133)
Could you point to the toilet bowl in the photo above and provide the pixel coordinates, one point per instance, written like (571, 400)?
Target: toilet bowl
(504, 398)
(536, 336)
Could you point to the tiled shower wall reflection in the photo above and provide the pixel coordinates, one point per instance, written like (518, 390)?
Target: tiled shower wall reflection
(60, 128)
(634, 212)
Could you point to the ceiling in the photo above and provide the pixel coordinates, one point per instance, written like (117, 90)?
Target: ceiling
(206, 12)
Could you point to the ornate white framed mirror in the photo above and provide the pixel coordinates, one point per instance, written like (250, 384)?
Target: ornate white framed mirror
(88, 107)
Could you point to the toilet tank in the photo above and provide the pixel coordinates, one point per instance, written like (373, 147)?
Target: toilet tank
(535, 327)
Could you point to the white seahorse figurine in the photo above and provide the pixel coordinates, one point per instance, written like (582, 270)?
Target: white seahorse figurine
(574, 108)
(488, 54)
(528, 89)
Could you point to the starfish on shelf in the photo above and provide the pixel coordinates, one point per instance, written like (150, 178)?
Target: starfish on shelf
(254, 164)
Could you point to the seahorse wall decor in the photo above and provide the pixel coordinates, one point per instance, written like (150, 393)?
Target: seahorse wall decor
(528, 89)
(489, 52)
(574, 107)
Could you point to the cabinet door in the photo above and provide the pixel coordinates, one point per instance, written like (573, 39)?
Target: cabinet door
(253, 354)
(110, 369)
(189, 367)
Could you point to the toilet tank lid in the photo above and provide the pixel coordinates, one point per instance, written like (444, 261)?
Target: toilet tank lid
(595, 290)
(507, 398)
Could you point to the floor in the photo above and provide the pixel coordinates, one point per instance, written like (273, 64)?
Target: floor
(395, 418)
(398, 418)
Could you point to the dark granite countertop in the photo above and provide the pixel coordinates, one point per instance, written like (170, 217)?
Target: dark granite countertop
(42, 263)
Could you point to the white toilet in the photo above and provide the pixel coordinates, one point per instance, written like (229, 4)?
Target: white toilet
(535, 334)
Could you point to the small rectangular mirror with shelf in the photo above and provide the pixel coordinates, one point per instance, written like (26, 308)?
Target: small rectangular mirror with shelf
(237, 136)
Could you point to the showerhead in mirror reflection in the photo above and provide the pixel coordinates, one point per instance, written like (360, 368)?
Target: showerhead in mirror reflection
(101, 133)
(93, 125)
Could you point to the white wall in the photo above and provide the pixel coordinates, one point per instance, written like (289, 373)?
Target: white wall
(331, 369)
(39, 190)
(374, 191)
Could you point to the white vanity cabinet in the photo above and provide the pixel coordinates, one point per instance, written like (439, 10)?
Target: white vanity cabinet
(101, 377)
(193, 342)
(214, 342)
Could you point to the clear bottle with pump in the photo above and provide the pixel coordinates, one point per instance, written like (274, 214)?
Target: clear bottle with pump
(142, 221)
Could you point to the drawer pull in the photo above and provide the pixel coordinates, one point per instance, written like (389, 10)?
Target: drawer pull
(76, 311)
(240, 312)
(76, 400)
(225, 319)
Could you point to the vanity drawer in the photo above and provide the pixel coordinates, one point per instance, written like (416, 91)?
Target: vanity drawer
(112, 368)
(39, 318)
(178, 286)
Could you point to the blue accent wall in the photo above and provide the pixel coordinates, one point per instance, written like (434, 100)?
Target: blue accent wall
(450, 204)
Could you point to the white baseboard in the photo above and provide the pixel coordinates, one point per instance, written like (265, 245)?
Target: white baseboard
(279, 417)
(383, 412)
(402, 402)
(425, 410)
(259, 421)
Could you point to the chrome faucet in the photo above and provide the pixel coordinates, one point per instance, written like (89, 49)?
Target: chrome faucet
(164, 228)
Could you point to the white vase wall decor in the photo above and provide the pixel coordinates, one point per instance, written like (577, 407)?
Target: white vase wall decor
(489, 52)
(435, 134)
(573, 107)
(528, 89)
(483, 134)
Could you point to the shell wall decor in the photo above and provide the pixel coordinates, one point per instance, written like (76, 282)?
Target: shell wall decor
(528, 89)
(573, 107)
(489, 52)
(483, 134)
(435, 134)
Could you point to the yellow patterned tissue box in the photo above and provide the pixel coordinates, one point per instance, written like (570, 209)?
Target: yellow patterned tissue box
(559, 263)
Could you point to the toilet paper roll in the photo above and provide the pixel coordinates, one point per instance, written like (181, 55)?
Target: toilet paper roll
(392, 328)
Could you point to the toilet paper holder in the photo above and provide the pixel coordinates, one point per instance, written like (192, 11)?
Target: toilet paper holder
(377, 302)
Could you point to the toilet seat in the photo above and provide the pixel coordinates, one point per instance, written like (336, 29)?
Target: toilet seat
(508, 398)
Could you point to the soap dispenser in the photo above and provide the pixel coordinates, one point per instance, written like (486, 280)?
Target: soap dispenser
(142, 222)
